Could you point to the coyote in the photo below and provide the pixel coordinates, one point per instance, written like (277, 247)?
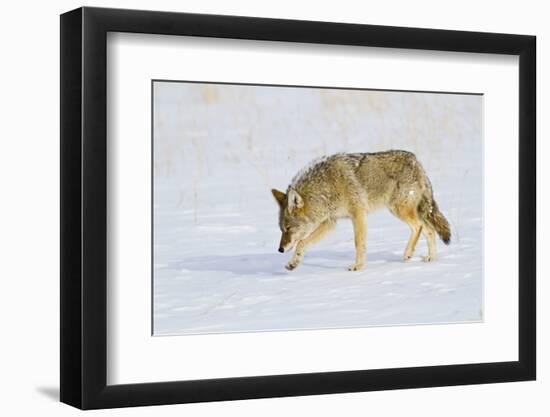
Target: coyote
(352, 185)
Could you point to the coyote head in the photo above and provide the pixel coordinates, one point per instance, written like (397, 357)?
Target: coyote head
(295, 225)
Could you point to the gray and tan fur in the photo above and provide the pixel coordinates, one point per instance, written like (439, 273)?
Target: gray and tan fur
(353, 185)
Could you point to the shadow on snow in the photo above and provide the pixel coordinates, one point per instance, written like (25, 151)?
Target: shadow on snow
(273, 263)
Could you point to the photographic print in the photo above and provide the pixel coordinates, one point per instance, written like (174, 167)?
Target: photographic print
(281, 208)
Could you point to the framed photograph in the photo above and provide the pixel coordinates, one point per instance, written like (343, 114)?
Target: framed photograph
(259, 208)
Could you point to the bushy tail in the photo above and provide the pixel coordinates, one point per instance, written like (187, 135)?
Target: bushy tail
(430, 214)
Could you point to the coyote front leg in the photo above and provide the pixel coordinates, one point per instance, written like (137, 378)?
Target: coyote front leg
(316, 236)
(360, 234)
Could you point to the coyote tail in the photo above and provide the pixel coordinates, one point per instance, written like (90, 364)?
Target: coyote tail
(430, 214)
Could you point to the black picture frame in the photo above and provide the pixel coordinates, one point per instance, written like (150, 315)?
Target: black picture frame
(84, 207)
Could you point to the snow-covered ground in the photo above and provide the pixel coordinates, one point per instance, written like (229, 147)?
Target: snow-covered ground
(219, 149)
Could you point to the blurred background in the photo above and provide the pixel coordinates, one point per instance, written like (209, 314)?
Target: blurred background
(258, 137)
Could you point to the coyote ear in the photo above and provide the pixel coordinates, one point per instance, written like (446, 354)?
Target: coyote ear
(279, 196)
(295, 200)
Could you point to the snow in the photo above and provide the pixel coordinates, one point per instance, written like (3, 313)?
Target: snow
(219, 149)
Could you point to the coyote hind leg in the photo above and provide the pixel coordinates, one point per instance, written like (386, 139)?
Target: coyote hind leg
(430, 237)
(416, 229)
(408, 214)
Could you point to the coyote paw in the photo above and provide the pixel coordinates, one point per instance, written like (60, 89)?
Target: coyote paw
(407, 257)
(429, 258)
(355, 267)
(291, 265)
